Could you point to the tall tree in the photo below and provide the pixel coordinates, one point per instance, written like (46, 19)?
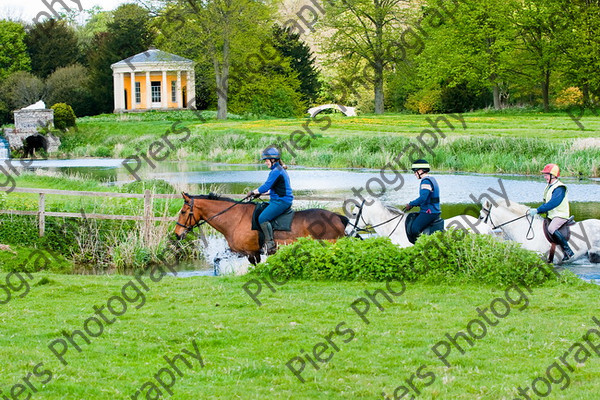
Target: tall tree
(13, 51)
(365, 30)
(51, 44)
(301, 60)
(580, 43)
(21, 89)
(538, 24)
(70, 85)
(224, 30)
(129, 33)
(476, 46)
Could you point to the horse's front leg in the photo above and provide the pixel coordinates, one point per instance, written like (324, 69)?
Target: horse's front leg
(254, 259)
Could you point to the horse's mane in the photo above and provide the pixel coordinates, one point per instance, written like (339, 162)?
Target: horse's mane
(213, 196)
(394, 210)
(515, 207)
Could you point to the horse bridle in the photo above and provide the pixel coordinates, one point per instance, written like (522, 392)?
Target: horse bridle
(488, 217)
(356, 229)
(201, 222)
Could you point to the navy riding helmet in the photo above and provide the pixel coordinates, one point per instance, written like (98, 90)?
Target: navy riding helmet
(421, 164)
(270, 152)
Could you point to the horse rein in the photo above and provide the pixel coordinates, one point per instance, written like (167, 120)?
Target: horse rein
(494, 226)
(201, 222)
(359, 217)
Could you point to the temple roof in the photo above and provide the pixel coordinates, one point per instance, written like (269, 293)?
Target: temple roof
(154, 56)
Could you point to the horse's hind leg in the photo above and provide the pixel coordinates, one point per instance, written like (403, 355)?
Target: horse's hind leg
(254, 259)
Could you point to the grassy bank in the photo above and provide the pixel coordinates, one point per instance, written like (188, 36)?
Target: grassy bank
(503, 142)
(87, 245)
(245, 348)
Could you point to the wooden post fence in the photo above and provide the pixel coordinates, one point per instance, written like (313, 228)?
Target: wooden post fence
(147, 213)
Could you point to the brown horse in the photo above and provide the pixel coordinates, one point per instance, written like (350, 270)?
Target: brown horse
(234, 220)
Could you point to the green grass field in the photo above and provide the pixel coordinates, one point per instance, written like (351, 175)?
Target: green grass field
(487, 142)
(245, 348)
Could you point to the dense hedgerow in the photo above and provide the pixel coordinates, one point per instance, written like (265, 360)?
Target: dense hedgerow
(443, 257)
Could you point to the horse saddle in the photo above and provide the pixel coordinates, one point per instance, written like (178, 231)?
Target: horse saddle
(565, 230)
(281, 223)
(435, 226)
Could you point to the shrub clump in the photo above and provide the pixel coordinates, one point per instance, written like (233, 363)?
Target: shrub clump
(64, 117)
(444, 257)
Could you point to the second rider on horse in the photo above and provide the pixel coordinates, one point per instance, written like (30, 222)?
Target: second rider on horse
(428, 200)
(280, 192)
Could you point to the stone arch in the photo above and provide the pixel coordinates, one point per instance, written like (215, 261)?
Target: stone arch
(347, 111)
(33, 143)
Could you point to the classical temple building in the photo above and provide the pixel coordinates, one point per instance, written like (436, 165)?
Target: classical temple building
(154, 80)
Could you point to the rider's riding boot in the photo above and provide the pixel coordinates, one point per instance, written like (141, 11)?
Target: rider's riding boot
(270, 246)
(563, 242)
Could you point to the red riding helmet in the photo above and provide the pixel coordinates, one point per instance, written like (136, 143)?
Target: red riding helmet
(551, 169)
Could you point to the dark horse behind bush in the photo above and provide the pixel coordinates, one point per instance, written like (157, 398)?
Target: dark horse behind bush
(234, 220)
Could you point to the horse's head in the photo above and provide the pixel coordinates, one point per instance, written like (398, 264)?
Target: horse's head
(187, 220)
(485, 214)
(370, 212)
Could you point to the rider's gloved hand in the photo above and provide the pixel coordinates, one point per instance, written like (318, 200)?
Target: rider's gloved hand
(532, 212)
(407, 207)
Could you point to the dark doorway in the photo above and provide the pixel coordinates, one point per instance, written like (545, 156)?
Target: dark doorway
(33, 145)
(126, 99)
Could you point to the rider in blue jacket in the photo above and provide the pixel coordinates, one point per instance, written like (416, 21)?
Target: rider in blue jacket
(280, 192)
(428, 200)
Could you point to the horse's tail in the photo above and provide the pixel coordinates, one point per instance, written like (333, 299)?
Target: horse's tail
(344, 219)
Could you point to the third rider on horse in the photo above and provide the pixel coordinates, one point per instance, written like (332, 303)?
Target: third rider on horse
(556, 204)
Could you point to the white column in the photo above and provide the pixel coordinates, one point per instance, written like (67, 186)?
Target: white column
(148, 91)
(118, 92)
(121, 90)
(132, 90)
(191, 89)
(163, 90)
(178, 90)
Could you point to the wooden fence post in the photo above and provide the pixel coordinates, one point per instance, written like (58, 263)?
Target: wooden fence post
(147, 215)
(42, 214)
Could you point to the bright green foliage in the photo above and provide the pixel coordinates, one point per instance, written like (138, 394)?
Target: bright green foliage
(475, 46)
(220, 34)
(364, 32)
(440, 258)
(51, 44)
(13, 51)
(64, 117)
(272, 95)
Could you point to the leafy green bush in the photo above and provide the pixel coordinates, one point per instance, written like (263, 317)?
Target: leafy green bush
(443, 257)
(274, 96)
(425, 101)
(64, 117)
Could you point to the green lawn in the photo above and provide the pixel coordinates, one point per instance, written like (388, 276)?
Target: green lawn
(245, 348)
(487, 142)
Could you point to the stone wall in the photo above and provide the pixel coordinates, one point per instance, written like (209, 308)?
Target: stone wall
(31, 120)
(16, 140)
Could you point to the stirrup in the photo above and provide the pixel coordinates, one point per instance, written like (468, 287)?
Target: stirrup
(269, 248)
(568, 255)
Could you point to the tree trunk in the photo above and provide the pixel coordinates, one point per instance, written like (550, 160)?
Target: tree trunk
(546, 90)
(222, 82)
(497, 104)
(378, 72)
(586, 94)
